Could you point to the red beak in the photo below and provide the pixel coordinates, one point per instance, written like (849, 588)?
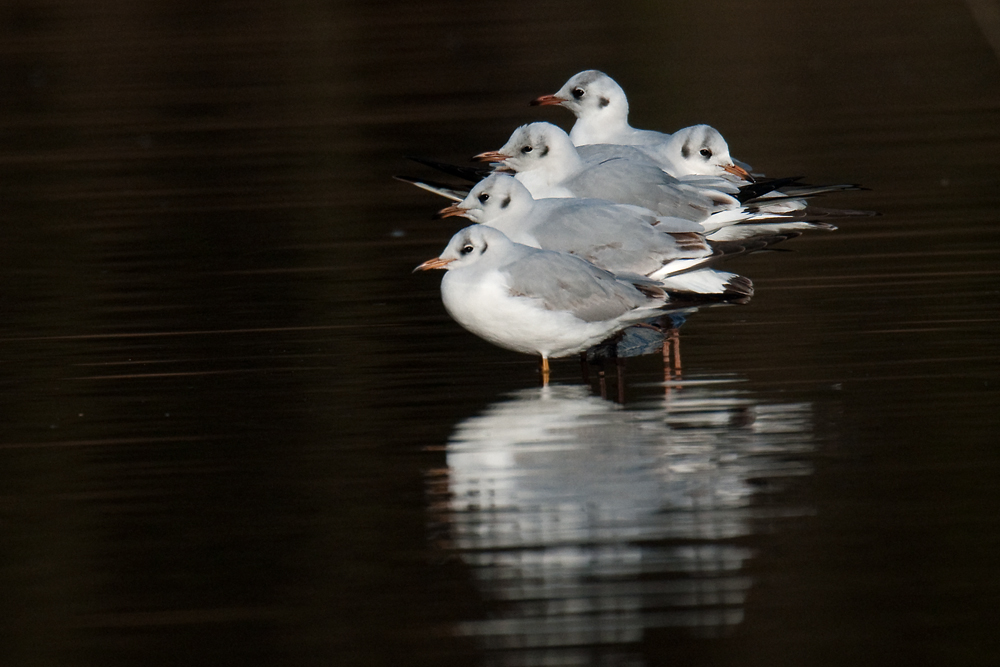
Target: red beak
(491, 156)
(436, 263)
(449, 211)
(547, 100)
(739, 171)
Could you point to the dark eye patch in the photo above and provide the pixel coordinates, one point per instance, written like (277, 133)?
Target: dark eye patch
(605, 102)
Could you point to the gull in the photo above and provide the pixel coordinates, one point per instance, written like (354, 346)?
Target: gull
(696, 154)
(541, 302)
(601, 110)
(619, 238)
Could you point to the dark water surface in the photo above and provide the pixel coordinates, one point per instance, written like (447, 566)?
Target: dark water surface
(237, 430)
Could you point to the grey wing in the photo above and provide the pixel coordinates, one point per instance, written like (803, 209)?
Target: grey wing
(566, 283)
(595, 153)
(663, 223)
(616, 210)
(626, 182)
(719, 183)
(614, 237)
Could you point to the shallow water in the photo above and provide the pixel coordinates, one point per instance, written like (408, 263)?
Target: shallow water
(237, 430)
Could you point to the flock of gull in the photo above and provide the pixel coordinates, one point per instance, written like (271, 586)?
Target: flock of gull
(579, 236)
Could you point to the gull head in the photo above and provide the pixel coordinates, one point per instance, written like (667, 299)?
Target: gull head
(469, 246)
(590, 95)
(535, 146)
(701, 150)
(493, 197)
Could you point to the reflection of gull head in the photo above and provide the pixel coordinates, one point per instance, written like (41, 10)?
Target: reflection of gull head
(558, 497)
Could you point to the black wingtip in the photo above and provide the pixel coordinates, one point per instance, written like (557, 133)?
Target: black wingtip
(472, 174)
(738, 289)
(413, 180)
(756, 244)
(762, 187)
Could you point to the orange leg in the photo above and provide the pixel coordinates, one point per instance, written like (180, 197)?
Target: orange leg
(672, 356)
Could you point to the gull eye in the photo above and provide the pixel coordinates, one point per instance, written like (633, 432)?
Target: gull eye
(483, 198)
(466, 249)
(705, 153)
(526, 149)
(578, 93)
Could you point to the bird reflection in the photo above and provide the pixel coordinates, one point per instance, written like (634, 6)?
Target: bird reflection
(587, 522)
(660, 336)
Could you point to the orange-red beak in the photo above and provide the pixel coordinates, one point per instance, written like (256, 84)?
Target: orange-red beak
(491, 156)
(436, 263)
(449, 211)
(547, 100)
(738, 171)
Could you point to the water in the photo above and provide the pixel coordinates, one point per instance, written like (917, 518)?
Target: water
(236, 430)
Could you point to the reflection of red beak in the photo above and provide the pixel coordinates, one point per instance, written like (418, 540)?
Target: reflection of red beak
(436, 263)
(491, 156)
(738, 171)
(547, 100)
(449, 211)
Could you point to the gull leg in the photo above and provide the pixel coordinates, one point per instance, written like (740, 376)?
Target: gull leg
(620, 364)
(545, 371)
(675, 336)
(672, 357)
(667, 356)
